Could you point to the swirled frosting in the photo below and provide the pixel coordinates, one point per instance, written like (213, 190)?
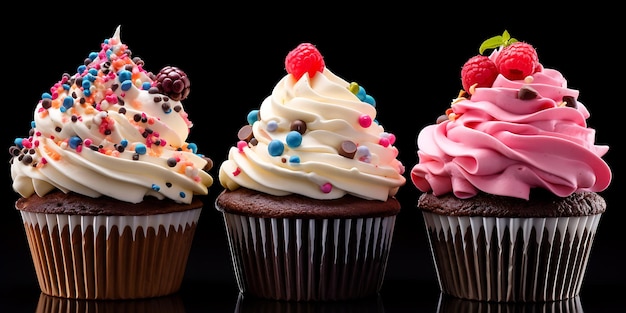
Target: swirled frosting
(112, 129)
(510, 138)
(315, 137)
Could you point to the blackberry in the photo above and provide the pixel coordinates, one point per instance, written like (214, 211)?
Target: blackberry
(173, 82)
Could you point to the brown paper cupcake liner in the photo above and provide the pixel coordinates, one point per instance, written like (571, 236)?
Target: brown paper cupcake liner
(309, 259)
(110, 257)
(511, 259)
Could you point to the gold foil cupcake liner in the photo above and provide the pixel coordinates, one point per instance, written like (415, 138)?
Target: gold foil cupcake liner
(110, 257)
(511, 259)
(309, 259)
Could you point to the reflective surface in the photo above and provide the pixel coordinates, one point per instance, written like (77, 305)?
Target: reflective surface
(396, 296)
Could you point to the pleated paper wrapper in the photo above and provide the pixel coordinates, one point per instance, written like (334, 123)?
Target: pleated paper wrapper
(110, 257)
(511, 259)
(309, 259)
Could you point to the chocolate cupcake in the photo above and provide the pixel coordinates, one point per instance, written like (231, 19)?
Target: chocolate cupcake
(309, 205)
(510, 176)
(110, 190)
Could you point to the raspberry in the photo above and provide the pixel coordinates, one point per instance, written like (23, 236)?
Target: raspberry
(517, 60)
(478, 70)
(305, 58)
(173, 82)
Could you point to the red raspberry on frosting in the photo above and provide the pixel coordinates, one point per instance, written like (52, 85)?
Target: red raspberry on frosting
(305, 58)
(518, 60)
(478, 70)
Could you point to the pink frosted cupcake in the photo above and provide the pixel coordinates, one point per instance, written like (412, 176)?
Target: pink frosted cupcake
(510, 177)
(109, 188)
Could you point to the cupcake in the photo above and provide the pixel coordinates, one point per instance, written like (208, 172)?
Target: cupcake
(510, 176)
(109, 188)
(309, 189)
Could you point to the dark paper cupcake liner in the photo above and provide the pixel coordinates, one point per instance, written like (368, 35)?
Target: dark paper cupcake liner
(309, 259)
(449, 304)
(511, 259)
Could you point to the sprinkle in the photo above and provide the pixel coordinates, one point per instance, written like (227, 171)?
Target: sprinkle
(347, 149)
(237, 172)
(241, 144)
(74, 142)
(272, 126)
(126, 85)
(326, 188)
(275, 148)
(182, 194)
(124, 142)
(140, 148)
(193, 147)
(253, 116)
(365, 121)
(156, 187)
(293, 139)
(299, 126)
(171, 162)
(68, 102)
(294, 159)
(363, 154)
(383, 142)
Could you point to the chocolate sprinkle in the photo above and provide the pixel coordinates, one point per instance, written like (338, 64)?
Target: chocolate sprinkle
(570, 102)
(299, 126)
(347, 149)
(245, 133)
(527, 93)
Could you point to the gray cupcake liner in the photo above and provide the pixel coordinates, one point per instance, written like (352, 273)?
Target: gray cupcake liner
(511, 259)
(309, 259)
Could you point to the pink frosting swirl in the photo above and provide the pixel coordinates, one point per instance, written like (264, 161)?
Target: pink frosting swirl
(501, 144)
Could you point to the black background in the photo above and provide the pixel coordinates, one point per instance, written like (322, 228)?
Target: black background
(408, 59)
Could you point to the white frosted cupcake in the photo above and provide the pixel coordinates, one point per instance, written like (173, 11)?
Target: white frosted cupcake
(109, 188)
(310, 203)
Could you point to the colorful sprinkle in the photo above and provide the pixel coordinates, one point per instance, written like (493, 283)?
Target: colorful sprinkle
(326, 188)
(275, 148)
(293, 139)
(365, 121)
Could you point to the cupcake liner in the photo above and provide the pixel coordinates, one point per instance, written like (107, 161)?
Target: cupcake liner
(166, 304)
(449, 304)
(110, 257)
(309, 259)
(511, 259)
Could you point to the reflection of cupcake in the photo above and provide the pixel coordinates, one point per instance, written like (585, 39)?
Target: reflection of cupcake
(448, 304)
(509, 180)
(309, 204)
(167, 304)
(108, 183)
(257, 305)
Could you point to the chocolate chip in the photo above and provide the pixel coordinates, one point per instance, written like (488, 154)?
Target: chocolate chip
(245, 133)
(299, 126)
(46, 103)
(527, 93)
(347, 149)
(209, 164)
(570, 102)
